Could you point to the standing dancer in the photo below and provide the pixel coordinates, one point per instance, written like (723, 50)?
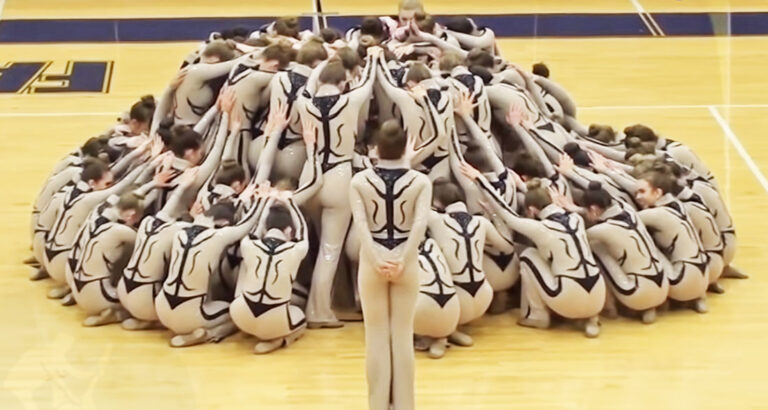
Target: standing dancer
(390, 206)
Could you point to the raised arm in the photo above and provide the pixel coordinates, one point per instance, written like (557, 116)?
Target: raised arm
(201, 125)
(315, 181)
(469, 41)
(232, 234)
(516, 118)
(166, 101)
(276, 123)
(624, 180)
(299, 223)
(463, 108)
(562, 96)
(360, 94)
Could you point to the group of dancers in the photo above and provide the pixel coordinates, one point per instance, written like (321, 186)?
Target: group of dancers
(450, 180)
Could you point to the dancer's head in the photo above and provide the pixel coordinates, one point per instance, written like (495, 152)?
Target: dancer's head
(279, 218)
(602, 133)
(391, 140)
(541, 70)
(187, 144)
(417, 73)
(537, 198)
(372, 26)
(528, 167)
(232, 175)
(407, 10)
(217, 51)
(141, 115)
(641, 131)
(130, 208)
(287, 26)
(277, 57)
(444, 193)
(653, 185)
(96, 174)
(477, 157)
(333, 74)
(596, 200)
(479, 57)
(449, 61)
(311, 54)
(460, 25)
(222, 214)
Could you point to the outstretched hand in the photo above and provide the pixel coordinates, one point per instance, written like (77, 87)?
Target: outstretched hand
(309, 132)
(599, 162)
(227, 100)
(463, 104)
(470, 172)
(516, 115)
(565, 165)
(277, 120)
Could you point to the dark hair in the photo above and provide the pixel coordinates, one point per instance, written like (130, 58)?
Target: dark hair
(93, 170)
(391, 140)
(482, 72)
(164, 130)
(541, 69)
(446, 192)
(333, 73)
(230, 172)
(596, 195)
(449, 61)
(580, 157)
(662, 180)
(329, 34)
(526, 164)
(278, 218)
(222, 210)
(143, 110)
(417, 73)
(537, 196)
(476, 157)
(92, 148)
(460, 25)
(603, 133)
(372, 26)
(184, 140)
(641, 131)
(280, 52)
(480, 57)
(425, 22)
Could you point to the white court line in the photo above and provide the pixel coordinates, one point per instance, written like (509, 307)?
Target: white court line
(647, 18)
(739, 148)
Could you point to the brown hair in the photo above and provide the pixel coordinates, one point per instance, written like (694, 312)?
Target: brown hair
(596, 195)
(541, 69)
(662, 180)
(287, 26)
(184, 140)
(411, 5)
(446, 192)
(425, 22)
(129, 200)
(230, 172)
(641, 131)
(280, 52)
(391, 140)
(537, 196)
(349, 58)
(480, 58)
(220, 49)
(333, 73)
(526, 164)
(449, 61)
(93, 170)
(417, 73)
(310, 53)
(603, 133)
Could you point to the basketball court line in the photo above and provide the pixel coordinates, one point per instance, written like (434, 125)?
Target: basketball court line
(648, 20)
(736, 142)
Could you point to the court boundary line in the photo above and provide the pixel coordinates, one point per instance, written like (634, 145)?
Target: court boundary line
(594, 107)
(736, 142)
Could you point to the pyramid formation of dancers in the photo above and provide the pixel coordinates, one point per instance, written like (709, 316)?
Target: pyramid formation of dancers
(227, 204)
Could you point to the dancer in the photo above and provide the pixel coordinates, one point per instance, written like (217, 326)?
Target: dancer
(390, 207)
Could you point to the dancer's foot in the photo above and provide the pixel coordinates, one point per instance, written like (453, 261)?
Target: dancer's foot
(734, 273)
(542, 323)
(461, 339)
(59, 292)
(198, 336)
(330, 324)
(106, 317)
(136, 324)
(437, 349)
(38, 274)
(592, 327)
(700, 305)
(421, 343)
(715, 288)
(222, 331)
(649, 316)
(272, 345)
(68, 300)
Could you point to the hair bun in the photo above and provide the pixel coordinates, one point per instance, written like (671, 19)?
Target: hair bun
(534, 184)
(633, 142)
(595, 186)
(148, 100)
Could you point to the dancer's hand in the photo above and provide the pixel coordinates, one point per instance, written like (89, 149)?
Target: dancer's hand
(565, 165)
(227, 100)
(517, 116)
(403, 51)
(599, 163)
(235, 121)
(309, 132)
(418, 92)
(176, 82)
(196, 209)
(410, 149)
(470, 172)
(248, 192)
(277, 120)
(163, 176)
(463, 104)
(561, 200)
(375, 51)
